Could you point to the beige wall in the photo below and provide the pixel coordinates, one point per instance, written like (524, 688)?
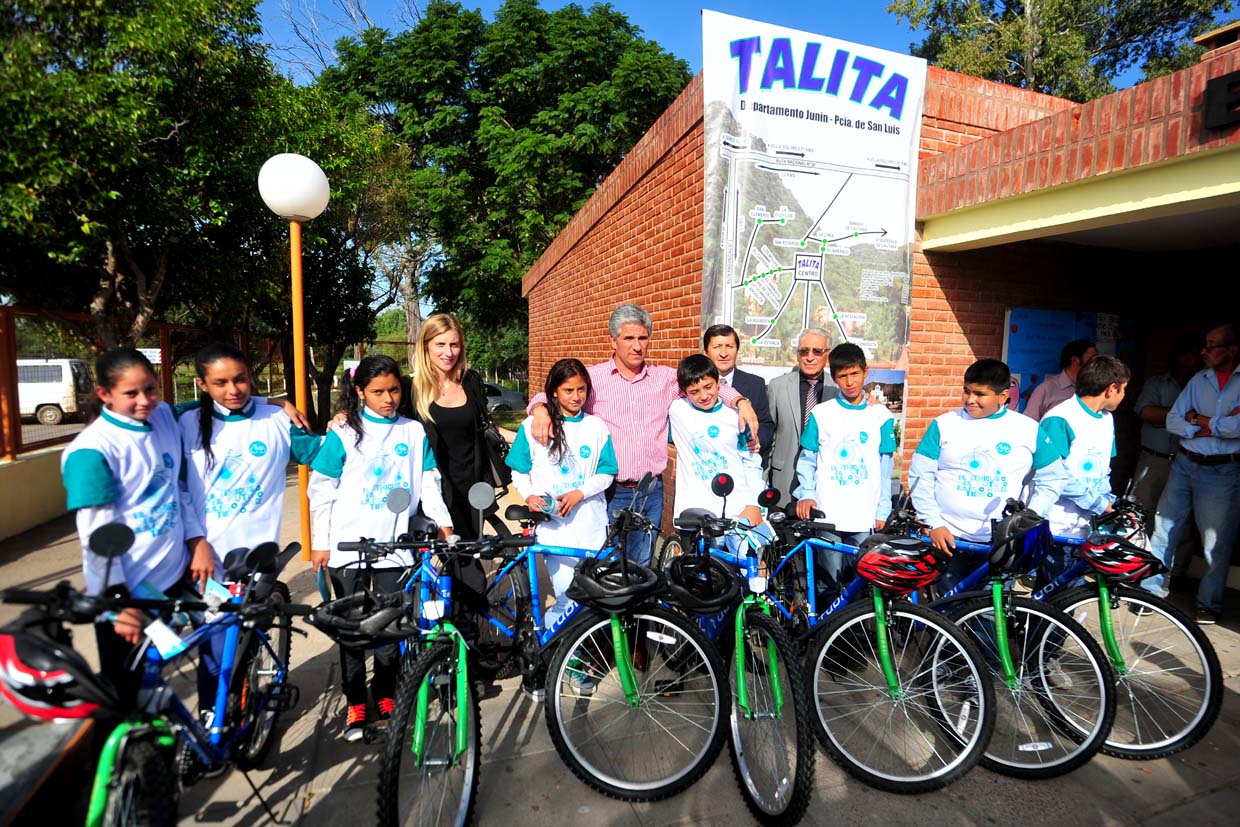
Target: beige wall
(30, 491)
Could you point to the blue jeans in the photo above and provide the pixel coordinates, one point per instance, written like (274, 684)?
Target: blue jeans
(638, 543)
(1212, 495)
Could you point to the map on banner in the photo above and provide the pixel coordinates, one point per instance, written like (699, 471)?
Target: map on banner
(811, 166)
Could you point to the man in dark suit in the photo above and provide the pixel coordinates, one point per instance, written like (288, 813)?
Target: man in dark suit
(720, 343)
(792, 396)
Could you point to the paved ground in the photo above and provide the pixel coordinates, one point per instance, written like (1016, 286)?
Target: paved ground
(315, 779)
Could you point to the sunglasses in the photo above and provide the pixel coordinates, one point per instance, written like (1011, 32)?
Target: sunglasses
(806, 351)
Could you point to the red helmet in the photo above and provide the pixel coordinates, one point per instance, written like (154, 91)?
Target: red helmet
(899, 564)
(1116, 559)
(46, 680)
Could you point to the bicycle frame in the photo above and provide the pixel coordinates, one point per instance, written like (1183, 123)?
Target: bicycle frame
(850, 592)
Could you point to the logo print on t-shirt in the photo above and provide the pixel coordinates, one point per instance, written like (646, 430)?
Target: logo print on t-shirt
(847, 469)
(402, 449)
(584, 452)
(712, 431)
(981, 477)
(706, 461)
(864, 437)
(235, 488)
(1003, 448)
(258, 448)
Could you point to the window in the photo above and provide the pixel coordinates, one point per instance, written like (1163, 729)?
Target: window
(38, 374)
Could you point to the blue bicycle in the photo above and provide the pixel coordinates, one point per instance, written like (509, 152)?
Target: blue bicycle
(635, 698)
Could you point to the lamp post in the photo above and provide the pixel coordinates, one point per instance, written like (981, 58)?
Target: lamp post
(295, 188)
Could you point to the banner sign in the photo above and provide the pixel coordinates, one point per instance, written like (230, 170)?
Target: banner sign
(810, 191)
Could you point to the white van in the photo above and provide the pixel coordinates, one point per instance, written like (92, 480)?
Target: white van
(50, 389)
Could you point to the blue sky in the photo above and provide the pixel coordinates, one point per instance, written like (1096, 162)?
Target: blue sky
(676, 24)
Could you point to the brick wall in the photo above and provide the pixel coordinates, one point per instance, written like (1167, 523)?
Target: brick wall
(1146, 124)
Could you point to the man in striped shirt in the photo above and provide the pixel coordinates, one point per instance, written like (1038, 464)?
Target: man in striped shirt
(632, 397)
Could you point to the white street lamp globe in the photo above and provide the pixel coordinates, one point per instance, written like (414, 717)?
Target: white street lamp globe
(293, 187)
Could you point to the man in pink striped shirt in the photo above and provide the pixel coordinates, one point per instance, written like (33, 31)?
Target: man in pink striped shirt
(632, 398)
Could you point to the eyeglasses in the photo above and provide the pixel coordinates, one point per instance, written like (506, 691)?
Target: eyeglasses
(806, 351)
(1209, 346)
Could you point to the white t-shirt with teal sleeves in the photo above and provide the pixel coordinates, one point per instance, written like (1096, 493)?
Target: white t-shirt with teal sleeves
(845, 463)
(709, 443)
(349, 484)
(588, 464)
(965, 469)
(239, 501)
(1084, 441)
(121, 470)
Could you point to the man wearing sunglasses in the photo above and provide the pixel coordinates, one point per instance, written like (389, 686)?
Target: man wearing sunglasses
(792, 396)
(1205, 474)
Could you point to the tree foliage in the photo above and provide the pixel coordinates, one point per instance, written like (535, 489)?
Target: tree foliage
(1072, 49)
(512, 123)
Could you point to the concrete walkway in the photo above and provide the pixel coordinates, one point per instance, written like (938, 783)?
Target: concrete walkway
(317, 780)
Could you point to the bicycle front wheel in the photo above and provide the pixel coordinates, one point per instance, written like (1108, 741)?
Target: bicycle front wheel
(438, 783)
(143, 792)
(1171, 686)
(260, 681)
(661, 738)
(919, 731)
(772, 743)
(1056, 712)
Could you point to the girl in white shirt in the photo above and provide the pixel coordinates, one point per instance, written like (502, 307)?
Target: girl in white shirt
(351, 475)
(567, 477)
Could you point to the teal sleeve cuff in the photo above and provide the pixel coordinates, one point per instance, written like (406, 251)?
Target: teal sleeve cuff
(809, 436)
(1060, 434)
(519, 458)
(88, 480)
(887, 437)
(929, 445)
(303, 446)
(428, 456)
(330, 459)
(607, 462)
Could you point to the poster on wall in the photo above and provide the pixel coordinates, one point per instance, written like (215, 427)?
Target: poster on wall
(1033, 338)
(810, 189)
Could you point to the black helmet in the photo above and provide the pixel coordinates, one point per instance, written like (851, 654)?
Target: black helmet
(899, 564)
(1019, 540)
(700, 583)
(604, 584)
(362, 619)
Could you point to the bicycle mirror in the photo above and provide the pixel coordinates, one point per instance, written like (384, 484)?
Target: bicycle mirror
(111, 540)
(397, 500)
(722, 485)
(769, 498)
(481, 496)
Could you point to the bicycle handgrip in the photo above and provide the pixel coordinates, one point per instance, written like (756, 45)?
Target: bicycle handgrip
(31, 598)
(517, 542)
(353, 546)
(297, 609)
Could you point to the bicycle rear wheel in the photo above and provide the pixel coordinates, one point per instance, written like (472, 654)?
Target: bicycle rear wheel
(1060, 709)
(927, 733)
(670, 733)
(772, 744)
(442, 787)
(1172, 688)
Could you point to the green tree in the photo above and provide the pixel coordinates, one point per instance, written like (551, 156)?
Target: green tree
(117, 170)
(512, 125)
(1072, 49)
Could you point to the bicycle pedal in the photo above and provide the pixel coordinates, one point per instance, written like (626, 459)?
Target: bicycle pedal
(284, 697)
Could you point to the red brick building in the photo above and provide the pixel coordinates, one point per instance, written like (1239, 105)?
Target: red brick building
(1128, 204)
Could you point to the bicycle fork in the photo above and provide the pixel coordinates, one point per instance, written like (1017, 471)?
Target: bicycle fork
(884, 646)
(772, 662)
(1106, 623)
(460, 743)
(112, 748)
(1001, 636)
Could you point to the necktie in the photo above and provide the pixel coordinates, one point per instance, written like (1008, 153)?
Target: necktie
(811, 399)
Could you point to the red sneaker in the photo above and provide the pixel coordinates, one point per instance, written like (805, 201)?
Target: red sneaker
(386, 707)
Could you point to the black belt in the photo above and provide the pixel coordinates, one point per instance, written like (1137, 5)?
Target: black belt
(1158, 454)
(1210, 459)
(627, 483)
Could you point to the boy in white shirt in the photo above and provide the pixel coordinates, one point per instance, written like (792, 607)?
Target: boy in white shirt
(970, 461)
(847, 452)
(1081, 431)
(708, 442)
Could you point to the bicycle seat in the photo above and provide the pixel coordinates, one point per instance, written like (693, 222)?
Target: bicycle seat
(525, 514)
